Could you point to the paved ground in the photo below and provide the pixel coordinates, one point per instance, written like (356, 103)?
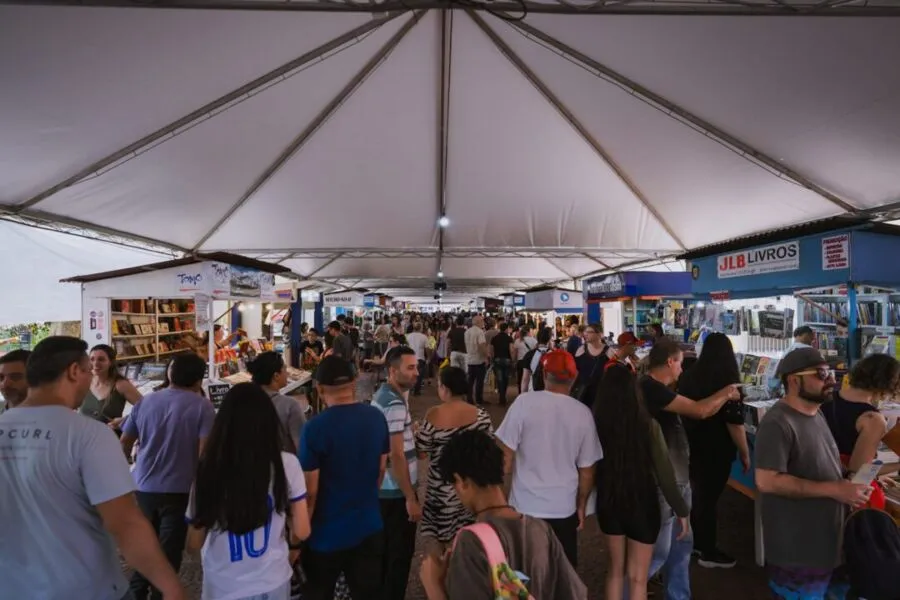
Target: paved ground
(744, 582)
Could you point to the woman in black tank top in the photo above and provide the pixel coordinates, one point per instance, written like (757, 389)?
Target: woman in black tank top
(853, 416)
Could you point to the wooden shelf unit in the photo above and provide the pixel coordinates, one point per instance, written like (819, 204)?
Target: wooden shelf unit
(149, 328)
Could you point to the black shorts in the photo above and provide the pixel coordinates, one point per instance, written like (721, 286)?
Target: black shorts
(640, 522)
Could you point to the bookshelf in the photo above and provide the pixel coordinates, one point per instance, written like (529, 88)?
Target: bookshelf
(150, 328)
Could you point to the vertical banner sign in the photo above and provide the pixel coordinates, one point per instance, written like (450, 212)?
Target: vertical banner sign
(201, 308)
(836, 252)
(759, 261)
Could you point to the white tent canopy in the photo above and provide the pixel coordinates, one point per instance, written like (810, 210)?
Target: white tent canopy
(557, 146)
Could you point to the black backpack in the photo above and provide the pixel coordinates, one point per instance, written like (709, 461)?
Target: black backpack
(537, 376)
(872, 551)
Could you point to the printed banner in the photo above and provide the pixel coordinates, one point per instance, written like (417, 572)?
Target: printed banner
(758, 261)
(836, 252)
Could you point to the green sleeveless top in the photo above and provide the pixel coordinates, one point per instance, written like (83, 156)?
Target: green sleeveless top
(105, 409)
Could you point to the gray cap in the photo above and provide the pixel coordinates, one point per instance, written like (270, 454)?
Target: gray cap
(799, 359)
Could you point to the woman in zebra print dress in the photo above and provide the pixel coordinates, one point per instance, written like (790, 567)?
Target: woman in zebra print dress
(443, 515)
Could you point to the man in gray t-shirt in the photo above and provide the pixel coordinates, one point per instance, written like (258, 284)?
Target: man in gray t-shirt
(798, 473)
(67, 498)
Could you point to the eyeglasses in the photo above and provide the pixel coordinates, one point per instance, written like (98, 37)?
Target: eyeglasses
(822, 374)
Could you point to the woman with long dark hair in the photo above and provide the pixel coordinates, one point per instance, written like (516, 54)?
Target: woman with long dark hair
(110, 390)
(713, 442)
(635, 466)
(245, 492)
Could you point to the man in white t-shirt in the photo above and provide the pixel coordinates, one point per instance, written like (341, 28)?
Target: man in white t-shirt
(551, 447)
(476, 359)
(67, 498)
(418, 341)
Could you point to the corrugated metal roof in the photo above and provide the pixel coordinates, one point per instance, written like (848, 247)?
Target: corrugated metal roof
(225, 257)
(791, 232)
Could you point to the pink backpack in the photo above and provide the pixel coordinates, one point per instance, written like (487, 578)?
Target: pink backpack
(505, 581)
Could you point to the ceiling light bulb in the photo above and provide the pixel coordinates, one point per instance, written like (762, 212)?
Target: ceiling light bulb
(444, 221)
(441, 274)
(241, 308)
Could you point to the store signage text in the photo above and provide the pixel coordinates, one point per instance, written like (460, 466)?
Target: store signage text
(190, 281)
(608, 286)
(836, 252)
(759, 261)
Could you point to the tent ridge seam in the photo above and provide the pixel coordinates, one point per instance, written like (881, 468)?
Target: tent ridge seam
(573, 121)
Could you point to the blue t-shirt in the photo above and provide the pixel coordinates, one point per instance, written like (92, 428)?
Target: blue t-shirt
(169, 425)
(345, 444)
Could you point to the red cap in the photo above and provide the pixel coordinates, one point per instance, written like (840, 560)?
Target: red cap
(627, 338)
(560, 364)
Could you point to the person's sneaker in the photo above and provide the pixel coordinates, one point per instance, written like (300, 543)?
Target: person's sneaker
(715, 560)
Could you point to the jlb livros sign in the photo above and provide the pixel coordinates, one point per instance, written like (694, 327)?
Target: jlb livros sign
(757, 261)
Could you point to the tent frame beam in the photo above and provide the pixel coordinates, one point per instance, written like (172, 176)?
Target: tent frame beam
(213, 108)
(595, 254)
(678, 113)
(573, 121)
(834, 8)
(443, 137)
(330, 109)
(71, 226)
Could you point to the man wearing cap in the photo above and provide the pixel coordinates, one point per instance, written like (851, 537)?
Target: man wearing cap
(625, 353)
(799, 476)
(344, 453)
(551, 448)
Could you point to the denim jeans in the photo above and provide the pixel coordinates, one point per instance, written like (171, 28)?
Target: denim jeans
(501, 374)
(420, 380)
(673, 556)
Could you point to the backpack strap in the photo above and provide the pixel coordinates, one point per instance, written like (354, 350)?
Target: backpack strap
(490, 541)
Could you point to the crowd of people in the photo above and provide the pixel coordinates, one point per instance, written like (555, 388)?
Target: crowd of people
(276, 502)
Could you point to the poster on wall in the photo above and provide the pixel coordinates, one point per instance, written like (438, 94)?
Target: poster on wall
(218, 279)
(201, 308)
(244, 282)
(759, 261)
(267, 286)
(836, 252)
(93, 322)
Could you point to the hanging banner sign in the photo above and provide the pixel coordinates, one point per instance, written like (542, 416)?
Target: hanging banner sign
(758, 261)
(201, 309)
(611, 286)
(267, 286)
(723, 295)
(346, 299)
(836, 252)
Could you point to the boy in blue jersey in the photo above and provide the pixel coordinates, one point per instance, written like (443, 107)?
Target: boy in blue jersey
(343, 452)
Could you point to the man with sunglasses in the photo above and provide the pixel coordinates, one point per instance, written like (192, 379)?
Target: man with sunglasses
(798, 473)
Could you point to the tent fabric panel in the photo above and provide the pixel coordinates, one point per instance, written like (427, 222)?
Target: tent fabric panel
(364, 268)
(367, 176)
(814, 93)
(181, 188)
(520, 175)
(686, 175)
(81, 83)
(42, 258)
